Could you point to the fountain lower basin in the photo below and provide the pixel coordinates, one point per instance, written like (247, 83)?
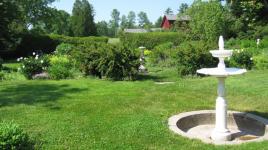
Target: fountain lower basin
(244, 127)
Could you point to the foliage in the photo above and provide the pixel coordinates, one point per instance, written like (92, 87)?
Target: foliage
(13, 137)
(116, 62)
(169, 11)
(158, 22)
(183, 8)
(102, 28)
(82, 20)
(194, 55)
(144, 20)
(151, 39)
(261, 61)
(1, 63)
(60, 67)
(114, 22)
(209, 22)
(64, 49)
(33, 65)
(58, 23)
(131, 17)
(163, 55)
(78, 40)
(241, 58)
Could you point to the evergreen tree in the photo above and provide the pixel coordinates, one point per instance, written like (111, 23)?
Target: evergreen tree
(82, 21)
(169, 11)
(183, 7)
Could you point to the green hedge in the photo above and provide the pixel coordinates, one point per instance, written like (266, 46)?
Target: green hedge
(151, 39)
(30, 43)
(78, 40)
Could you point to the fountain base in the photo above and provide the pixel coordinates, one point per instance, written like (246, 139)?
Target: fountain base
(243, 127)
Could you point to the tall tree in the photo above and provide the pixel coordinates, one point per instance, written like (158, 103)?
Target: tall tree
(82, 21)
(209, 22)
(158, 22)
(169, 11)
(8, 14)
(183, 7)
(114, 22)
(102, 28)
(124, 22)
(131, 17)
(143, 20)
(59, 23)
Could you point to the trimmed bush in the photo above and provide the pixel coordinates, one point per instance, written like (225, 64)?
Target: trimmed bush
(261, 61)
(151, 39)
(61, 67)
(13, 137)
(116, 62)
(194, 55)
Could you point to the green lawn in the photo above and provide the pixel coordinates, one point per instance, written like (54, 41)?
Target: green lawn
(98, 114)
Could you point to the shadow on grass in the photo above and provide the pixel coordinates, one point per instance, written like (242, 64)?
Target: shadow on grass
(148, 77)
(261, 114)
(32, 94)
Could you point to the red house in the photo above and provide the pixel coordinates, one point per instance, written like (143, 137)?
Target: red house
(169, 20)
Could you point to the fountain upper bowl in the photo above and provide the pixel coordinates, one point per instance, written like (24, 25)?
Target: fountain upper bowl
(221, 53)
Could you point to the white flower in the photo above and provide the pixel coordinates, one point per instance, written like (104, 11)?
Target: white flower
(238, 51)
(21, 58)
(18, 59)
(36, 57)
(23, 66)
(19, 69)
(25, 58)
(42, 61)
(33, 53)
(251, 58)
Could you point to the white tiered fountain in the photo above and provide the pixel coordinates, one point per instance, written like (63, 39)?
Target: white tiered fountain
(211, 126)
(221, 132)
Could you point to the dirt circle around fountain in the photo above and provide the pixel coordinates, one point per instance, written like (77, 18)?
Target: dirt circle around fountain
(244, 127)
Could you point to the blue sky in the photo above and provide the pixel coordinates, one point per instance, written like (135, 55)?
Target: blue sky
(103, 8)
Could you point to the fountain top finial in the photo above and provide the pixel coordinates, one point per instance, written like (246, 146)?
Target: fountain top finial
(221, 43)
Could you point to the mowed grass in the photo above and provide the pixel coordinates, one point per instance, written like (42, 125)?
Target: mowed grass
(98, 114)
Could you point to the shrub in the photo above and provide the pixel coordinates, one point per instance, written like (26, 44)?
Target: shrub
(33, 65)
(64, 49)
(261, 61)
(164, 55)
(194, 55)
(151, 39)
(61, 67)
(116, 62)
(241, 58)
(13, 137)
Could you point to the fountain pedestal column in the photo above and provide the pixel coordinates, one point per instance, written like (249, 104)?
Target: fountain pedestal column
(221, 132)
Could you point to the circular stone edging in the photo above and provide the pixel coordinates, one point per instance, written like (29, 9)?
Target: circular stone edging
(173, 125)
